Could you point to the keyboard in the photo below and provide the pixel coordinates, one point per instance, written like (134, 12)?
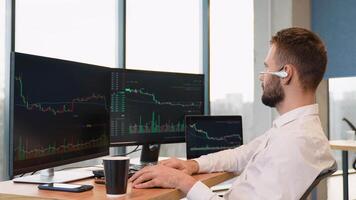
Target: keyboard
(100, 173)
(132, 169)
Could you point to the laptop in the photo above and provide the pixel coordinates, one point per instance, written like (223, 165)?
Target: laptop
(209, 134)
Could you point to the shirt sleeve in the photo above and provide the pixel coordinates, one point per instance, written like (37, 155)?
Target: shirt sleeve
(284, 170)
(231, 160)
(199, 191)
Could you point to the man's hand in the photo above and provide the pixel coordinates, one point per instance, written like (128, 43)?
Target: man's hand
(162, 176)
(187, 166)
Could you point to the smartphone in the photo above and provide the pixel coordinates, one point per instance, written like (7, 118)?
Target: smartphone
(65, 187)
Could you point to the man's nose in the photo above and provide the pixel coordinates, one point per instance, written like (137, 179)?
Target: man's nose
(260, 77)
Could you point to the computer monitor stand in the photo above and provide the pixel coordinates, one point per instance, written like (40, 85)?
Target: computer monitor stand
(149, 153)
(49, 176)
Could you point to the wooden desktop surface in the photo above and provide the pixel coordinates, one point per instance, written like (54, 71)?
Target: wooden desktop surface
(98, 192)
(344, 145)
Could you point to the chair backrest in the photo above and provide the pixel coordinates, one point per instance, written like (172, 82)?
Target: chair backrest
(323, 174)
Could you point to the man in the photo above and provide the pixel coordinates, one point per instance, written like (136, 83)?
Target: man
(284, 161)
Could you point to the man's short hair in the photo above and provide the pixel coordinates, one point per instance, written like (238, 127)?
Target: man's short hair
(305, 50)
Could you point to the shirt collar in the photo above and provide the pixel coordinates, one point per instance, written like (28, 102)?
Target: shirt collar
(292, 115)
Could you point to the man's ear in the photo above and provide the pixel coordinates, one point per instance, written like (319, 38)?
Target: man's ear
(289, 69)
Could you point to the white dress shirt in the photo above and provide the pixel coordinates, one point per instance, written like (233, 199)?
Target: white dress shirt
(280, 164)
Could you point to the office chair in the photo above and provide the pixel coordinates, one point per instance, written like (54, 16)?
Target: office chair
(323, 174)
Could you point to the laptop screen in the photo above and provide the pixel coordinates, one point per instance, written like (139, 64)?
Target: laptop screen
(209, 134)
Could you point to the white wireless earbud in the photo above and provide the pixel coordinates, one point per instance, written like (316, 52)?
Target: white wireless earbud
(281, 74)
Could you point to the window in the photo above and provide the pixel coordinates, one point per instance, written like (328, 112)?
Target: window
(232, 60)
(77, 30)
(163, 35)
(2, 54)
(342, 104)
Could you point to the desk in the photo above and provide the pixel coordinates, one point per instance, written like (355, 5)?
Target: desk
(344, 146)
(8, 187)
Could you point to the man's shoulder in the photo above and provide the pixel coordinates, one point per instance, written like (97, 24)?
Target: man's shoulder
(306, 127)
(300, 138)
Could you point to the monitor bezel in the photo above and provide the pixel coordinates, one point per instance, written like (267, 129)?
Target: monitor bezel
(12, 171)
(210, 118)
(120, 141)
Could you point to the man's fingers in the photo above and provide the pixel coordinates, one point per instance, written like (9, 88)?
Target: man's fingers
(148, 184)
(143, 178)
(139, 173)
(164, 162)
(135, 176)
(186, 171)
(173, 163)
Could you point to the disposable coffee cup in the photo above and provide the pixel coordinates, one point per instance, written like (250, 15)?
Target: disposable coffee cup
(116, 174)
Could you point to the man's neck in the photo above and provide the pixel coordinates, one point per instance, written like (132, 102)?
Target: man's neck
(295, 100)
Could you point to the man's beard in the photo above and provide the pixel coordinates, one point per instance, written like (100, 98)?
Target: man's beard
(273, 93)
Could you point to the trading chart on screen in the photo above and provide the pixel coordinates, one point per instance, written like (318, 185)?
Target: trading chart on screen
(208, 134)
(61, 110)
(153, 103)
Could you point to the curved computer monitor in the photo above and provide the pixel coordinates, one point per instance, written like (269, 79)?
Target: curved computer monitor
(60, 112)
(149, 107)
